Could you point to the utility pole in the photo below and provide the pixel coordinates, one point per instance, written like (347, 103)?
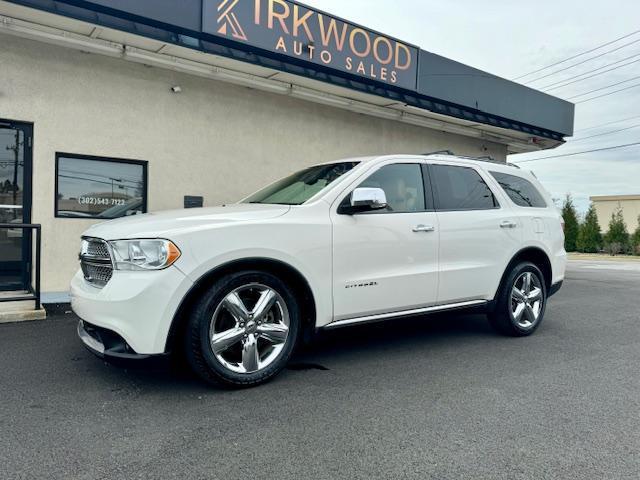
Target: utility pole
(16, 154)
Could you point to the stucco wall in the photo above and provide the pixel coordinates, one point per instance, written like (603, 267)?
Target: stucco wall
(214, 139)
(630, 211)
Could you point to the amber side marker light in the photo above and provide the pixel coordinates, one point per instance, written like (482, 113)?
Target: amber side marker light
(173, 253)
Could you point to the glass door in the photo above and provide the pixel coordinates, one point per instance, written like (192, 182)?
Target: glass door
(15, 205)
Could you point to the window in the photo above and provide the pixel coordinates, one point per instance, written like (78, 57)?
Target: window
(403, 186)
(520, 190)
(92, 187)
(302, 186)
(461, 188)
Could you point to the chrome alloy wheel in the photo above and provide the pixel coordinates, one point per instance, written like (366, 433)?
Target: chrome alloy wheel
(249, 328)
(527, 300)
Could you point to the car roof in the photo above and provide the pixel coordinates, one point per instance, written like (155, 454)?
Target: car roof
(349, 160)
(486, 163)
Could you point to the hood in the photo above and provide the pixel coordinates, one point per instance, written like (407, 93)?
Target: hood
(164, 224)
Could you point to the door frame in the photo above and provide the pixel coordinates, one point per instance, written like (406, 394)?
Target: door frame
(369, 285)
(27, 203)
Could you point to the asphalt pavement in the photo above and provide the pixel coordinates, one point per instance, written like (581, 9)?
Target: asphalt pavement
(425, 398)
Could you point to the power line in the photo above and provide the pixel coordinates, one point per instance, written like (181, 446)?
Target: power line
(610, 93)
(604, 134)
(604, 88)
(578, 55)
(606, 124)
(548, 89)
(579, 153)
(582, 62)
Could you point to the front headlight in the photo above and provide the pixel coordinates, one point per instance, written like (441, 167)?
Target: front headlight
(144, 254)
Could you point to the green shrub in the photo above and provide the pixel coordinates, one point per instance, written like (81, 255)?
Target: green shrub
(617, 238)
(635, 240)
(589, 237)
(571, 224)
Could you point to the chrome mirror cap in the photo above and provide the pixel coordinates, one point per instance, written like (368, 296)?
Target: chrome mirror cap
(369, 198)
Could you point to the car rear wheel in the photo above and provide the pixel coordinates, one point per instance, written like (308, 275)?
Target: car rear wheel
(244, 330)
(521, 302)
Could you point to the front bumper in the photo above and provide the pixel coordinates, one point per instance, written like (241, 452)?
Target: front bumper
(112, 348)
(139, 307)
(555, 288)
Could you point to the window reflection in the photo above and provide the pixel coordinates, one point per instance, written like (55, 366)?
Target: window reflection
(99, 188)
(11, 173)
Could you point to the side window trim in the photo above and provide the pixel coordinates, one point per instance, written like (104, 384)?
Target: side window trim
(436, 205)
(429, 195)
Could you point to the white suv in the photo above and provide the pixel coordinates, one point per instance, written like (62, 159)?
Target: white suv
(237, 287)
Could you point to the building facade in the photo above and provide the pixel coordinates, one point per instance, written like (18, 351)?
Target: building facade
(111, 108)
(606, 206)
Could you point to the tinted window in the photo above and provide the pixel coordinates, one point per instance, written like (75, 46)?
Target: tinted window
(89, 187)
(403, 186)
(301, 186)
(460, 188)
(520, 190)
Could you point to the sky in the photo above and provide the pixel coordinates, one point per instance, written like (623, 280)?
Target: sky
(511, 38)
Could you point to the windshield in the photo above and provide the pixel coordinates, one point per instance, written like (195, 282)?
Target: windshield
(300, 187)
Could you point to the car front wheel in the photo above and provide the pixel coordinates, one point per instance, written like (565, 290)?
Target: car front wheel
(521, 302)
(244, 329)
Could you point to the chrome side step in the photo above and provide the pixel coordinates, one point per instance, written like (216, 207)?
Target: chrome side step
(405, 313)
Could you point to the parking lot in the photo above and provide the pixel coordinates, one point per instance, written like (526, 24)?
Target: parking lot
(438, 397)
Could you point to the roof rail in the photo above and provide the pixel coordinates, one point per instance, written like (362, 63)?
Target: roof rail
(484, 158)
(439, 152)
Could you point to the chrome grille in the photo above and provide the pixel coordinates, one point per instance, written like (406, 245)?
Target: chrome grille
(97, 274)
(98, 249)
(95, 261)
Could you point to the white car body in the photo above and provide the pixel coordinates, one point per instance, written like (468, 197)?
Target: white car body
(357, 267)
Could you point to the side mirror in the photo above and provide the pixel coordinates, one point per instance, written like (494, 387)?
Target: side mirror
(367, 199)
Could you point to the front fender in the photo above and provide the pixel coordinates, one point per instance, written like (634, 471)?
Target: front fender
(304, 247)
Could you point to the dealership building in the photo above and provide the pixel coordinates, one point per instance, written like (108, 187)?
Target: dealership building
(111, 108)
(608, 205)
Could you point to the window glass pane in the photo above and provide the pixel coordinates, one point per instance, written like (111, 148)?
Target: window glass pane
(402, 184)
(520, 190)
(92, 188)
(301, 186)
(11, 172)
(461, 188)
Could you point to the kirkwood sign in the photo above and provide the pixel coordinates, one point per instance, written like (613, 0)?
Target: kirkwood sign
(291, 29)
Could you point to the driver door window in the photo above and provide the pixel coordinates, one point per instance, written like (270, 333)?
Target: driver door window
(402, 184)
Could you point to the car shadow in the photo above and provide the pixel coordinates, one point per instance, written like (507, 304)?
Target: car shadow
(402, 334)
(336, 349)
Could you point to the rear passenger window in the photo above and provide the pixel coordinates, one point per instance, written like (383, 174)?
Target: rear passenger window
(521, 191)
(461, 188)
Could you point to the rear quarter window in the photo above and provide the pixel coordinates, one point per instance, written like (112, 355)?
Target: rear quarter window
(520, 190)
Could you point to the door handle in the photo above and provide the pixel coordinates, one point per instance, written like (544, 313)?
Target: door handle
(508, 224)
(423, 228)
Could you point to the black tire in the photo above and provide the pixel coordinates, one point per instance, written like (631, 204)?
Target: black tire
(502, 317)
(198, 349)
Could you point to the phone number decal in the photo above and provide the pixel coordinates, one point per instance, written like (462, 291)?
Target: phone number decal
(106, 202)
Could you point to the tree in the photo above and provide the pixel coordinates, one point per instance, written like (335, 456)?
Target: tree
(635, 239)
(617, 238)
(589, 237)
(571, 224)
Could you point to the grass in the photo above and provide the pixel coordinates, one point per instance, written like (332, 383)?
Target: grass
(603, 256)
